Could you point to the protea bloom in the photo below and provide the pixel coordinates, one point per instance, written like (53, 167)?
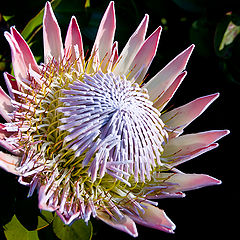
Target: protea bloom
(90, 136)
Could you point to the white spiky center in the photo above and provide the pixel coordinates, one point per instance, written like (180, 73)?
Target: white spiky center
(112, 122)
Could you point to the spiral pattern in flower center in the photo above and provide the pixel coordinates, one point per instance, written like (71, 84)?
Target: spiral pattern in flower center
(112, 123)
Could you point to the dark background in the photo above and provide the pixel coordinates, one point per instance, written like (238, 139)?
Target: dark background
(208, 213)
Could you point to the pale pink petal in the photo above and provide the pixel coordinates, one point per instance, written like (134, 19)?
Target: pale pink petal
(164, 79)
(186, 144)
(115, 52)
(145, 55)
(186, 182)
(11, 83)
(74, 40)
(126, 224)
(19, 66)
(178, 118)
(4, 134)
(24, 48)
(130, 50)
(114, 56)
(154, 217)
(104, 39)
(43, 199)
(167, 195)
(8, 162)
(9, 147)
(5, 105)
(166, 96)
(175, 159)
(68, 218)
(52, 39)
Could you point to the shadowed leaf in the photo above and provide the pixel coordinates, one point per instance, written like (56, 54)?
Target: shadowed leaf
(77, 231)
(45, 219)
(14, 230)
(230, 34)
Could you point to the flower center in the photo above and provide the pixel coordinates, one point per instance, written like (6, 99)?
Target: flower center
(111, 121)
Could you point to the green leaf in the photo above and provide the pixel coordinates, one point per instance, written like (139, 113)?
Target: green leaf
(226, 37)
(230, 34)
(7, 18)
(87, 4)
(35, 24)
(14, 230)
(77, 231)
(45, 219)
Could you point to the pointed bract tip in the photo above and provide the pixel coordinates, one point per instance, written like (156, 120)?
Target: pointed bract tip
(211, 97)
(111, 6)
(209, 181)
(144, 22)
(159, 29)
(6, 35)
(48, 4)
(186, 54)
(189, 50)
(213, 145)
(155, 36)
(192, 46)
(73, 22)
(182, 74)
(224, 132)
(219, 182)
(12, 29)
(212, 181)
(111, 3)
(48, 9)
(217, 94)
(227, 132)
(146, 17)
(16, 35)
(73, 18)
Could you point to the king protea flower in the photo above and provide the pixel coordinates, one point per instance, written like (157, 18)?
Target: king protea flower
(90, 136)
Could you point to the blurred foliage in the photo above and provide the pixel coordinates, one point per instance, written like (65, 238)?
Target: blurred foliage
(213, 26)
(230, 34)
(72, 232)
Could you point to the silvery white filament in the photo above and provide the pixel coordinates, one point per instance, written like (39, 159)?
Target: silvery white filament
(112, 120)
